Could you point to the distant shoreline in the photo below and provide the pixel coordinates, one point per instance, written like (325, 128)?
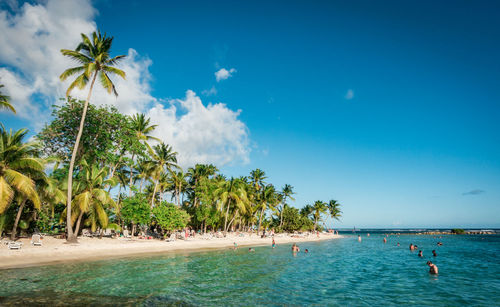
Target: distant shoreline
(54, 251)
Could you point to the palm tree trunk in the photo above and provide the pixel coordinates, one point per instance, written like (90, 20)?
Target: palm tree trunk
(232, 220)
(154, 192)
(18, 217)
(260, 220)
(225, 217)
(130, 181)
(69, 227)
(281, 215)
(77, 228)
(142, 182)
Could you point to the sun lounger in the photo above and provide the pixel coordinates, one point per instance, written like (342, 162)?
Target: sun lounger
(35, 240)
(15, 245)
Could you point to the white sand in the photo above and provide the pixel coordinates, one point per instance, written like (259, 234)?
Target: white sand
(56, 250)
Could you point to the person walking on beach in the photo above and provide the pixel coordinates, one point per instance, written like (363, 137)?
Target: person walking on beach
(433, 269)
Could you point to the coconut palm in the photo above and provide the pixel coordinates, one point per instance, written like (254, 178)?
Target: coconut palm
(257, 178)
(94, 57)
(195, 174)
(18, 165)
(92, 198)
(5, 101)
(319, 207)
(286, 192)
(231, 194)
(268, 198)
(334, 209)
(142, 128)
(162, 158)
(177, 184)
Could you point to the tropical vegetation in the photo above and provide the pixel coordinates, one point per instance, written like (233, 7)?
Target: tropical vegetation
(92, 167)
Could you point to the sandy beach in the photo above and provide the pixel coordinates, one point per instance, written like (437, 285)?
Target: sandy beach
(56, 250)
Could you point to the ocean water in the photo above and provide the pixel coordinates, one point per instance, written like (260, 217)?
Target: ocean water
(342, 272)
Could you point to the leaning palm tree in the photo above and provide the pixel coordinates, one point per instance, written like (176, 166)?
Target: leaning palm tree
(334, 209)
(5, 101)
(231, 194)
(93, 55)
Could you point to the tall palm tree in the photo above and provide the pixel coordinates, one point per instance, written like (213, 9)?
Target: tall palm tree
(5, 101)
(142, 128)
(257, 178)
(334, 209)
(177, 182)
(319, 207)
(162, 158)
(195, 174)
(268, 198)
(286, 192)
(94, 57)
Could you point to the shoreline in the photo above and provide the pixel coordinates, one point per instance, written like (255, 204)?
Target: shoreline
(55, 251)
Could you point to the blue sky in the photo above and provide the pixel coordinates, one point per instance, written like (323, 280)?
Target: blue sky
(390, 108)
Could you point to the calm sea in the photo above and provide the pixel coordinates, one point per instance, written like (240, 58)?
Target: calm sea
(341, 272)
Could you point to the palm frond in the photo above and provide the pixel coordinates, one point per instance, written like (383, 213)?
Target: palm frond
(6, 195)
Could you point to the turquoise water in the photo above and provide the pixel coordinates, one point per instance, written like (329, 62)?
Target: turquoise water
(339, 272)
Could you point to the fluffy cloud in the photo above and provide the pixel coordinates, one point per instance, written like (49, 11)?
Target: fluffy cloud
(212, 91)
(349, 95)
(206, 134)
(31, 63)
(223, 74)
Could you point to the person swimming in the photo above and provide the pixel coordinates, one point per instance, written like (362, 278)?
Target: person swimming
(434, 253)
(411, 247)
(251, 250)
(398, 243)
(306, 251)
(433, 269)
(420, 253)
(439, 243)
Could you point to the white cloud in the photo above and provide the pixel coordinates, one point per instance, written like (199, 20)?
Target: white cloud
(206, 134)
(212, 91)
(31, 63)
(349, 95)
(223, 74)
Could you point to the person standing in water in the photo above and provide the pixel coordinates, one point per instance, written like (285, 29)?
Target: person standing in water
(359, 238)
(434, 253)
(420, 253)
(433, 269)
(385, 240)
(274, 243)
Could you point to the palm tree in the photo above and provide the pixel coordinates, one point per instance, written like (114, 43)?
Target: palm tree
(142, 128)
(319, 207)
(268, 198)
(257, 177)
(196, 174)
(334, 209)
(162, 158)
(18, 165)
(231, 194)
(286, 192)
(95, 60)
(5, 101)
(177, 183)
(92, 198)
